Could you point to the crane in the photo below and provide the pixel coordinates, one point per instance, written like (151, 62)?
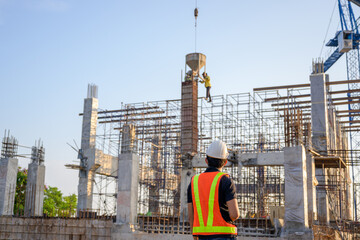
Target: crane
(348, 38)
(347, 41)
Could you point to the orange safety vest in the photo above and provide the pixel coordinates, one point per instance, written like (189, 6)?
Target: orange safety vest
(205, 198)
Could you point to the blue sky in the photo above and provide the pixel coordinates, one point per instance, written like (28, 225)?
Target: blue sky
(135, 51)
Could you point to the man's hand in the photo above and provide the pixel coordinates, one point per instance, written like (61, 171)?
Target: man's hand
(233, 209)
(196, 238)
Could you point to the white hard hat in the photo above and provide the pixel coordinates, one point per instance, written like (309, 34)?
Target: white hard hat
(217, 149)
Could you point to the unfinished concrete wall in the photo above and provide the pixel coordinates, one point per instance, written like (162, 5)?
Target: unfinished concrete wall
(55, 229)
(81, 229)
(8, 175)
(35, 186)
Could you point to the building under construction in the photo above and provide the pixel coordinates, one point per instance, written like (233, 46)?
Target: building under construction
(290, 158)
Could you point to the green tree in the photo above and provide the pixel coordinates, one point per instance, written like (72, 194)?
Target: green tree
(55, 205)
(20, 190)
(70, 203)
(52, 201)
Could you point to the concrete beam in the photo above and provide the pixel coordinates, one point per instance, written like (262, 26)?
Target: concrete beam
(199, 162)
(248, 160)
(261, 159)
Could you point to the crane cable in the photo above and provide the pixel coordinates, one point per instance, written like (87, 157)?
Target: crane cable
(196, 13)
(327, 30)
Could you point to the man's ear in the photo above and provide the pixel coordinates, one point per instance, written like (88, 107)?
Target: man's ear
(206, 161)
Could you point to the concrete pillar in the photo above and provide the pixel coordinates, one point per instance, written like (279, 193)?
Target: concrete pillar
(87, 151)
(8, 176)
(35, 186)
(296, 202)
(154, 188)
(320, 138)
(311, 188)
(34, 195)
(349, 196)
(322, 200)
(128, 182)
(319, 112)
(128, 138)
(189, 117)
(189, 138)
(186, 176)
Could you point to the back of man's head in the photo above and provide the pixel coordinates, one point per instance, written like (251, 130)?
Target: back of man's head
(216, 162)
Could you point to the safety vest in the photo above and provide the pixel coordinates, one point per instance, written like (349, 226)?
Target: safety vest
(205, 198)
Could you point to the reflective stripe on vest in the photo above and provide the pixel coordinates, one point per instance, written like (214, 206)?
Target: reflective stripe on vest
(209, 228)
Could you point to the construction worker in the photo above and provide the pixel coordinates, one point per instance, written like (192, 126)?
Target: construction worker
(189, 76)
(212, 204)
(206, 80)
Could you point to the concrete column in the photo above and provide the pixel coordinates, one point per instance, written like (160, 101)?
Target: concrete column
(186, 176)
(87, 151)
(8, 176)
(322, 200)
(311, 188)
(349, 196)
(319, 112)
(154, 194)
(320, 138)
(128, 138)
(296, 202)
(128, 181)
(189, 138)
(127, 197)
(35, 186)
(187, 172)
(189, 117)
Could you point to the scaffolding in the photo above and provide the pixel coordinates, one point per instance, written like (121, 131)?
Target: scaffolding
(266, 120)
(241, 120)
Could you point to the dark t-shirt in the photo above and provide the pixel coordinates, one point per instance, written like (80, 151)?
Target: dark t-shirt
(226, 193)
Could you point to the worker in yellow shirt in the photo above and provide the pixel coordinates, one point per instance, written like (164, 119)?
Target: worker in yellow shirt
(206, 80)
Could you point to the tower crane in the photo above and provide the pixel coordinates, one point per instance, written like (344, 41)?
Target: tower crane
(347, 41)
(348, 38)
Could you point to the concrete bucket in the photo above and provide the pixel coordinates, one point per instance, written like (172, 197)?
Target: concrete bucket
(195, 61)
